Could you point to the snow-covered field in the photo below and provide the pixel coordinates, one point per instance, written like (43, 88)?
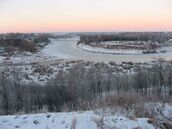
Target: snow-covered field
(108, 51)
(122, 43)
(74, 120)
(38, 73)
(26, 65)
(26, 58)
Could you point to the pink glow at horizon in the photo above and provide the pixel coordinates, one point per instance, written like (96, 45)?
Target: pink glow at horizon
(85, 15)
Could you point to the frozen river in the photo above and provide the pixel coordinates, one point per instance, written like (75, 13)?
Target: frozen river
(66, 49)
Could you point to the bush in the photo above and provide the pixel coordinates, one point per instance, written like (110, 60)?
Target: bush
(21, 44)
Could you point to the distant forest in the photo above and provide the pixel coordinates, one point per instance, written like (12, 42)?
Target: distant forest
(155, 37)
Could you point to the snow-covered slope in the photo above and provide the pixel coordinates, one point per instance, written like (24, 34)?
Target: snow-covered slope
(82, 120)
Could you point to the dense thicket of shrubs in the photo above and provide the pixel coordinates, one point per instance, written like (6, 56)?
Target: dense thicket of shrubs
(44, 38)
(21, 44)
(82, 88)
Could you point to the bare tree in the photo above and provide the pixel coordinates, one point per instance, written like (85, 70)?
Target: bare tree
(4, 94)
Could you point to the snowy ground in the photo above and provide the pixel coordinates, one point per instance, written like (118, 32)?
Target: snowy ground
(74, 120)
(43, 73)
(28, 67)
(39, 73)
(108, 51)
(25, 58)
(87, 120)
(123, 43)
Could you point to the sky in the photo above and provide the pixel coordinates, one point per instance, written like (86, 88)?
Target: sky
(85, 15)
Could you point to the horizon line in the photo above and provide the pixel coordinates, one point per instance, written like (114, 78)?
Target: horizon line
(88, 32)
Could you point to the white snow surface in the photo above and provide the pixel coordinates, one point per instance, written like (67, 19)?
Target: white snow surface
(73, 120)
(109, 51)
(122, 42)
(52, 49)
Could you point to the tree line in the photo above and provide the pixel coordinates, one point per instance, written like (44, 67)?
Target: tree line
(154, 37)
(11, 45)
(82, 88)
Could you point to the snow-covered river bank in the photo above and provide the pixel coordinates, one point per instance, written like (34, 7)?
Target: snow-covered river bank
(67, 49)
(74, 120)
(88, 120)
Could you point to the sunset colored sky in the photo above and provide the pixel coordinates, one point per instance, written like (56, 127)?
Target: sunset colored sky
(85, 15)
